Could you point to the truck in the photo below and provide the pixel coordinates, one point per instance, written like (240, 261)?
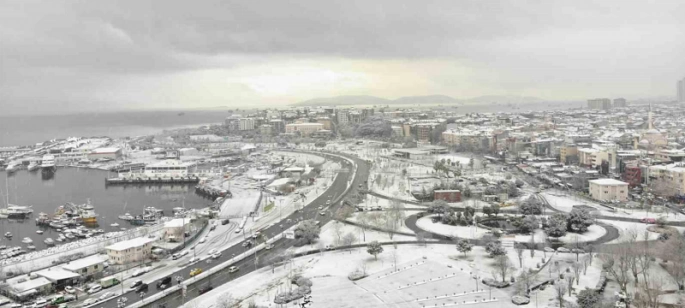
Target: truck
(109, 282)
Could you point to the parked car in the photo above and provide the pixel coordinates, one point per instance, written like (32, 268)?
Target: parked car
(205, 289)
(89, 301)
(215, 255)
(106, 296)
(193, 260)
(213, 251)
(141, 271)
(196, 271)
(233, 269)
(142, 288)
(648, 220)
(330, 247)
(224, 221)
(164, 283)
(179, 255)
(135, 284)
(69, 289)
(94, 289)
(41, 302)
(269, 246)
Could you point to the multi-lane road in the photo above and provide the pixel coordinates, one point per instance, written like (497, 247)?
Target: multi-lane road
(336, 193)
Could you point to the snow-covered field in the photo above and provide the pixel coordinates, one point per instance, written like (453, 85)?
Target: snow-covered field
(382, 288)
(625, 229)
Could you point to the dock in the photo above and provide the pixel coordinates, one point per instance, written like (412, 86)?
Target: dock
(146, 180)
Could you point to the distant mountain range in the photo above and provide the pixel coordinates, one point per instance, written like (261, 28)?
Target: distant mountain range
(349, 100)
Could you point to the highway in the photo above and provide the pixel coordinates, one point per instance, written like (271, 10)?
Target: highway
(247, 265)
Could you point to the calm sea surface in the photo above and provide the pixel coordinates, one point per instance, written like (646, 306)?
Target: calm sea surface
(77, 186)
(27, 130)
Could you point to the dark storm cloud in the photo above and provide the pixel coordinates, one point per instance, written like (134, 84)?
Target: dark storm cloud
(80, 50)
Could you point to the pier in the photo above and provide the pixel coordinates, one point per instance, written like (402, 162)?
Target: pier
(146, 180)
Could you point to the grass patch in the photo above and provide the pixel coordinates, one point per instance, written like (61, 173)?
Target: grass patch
(269, 207)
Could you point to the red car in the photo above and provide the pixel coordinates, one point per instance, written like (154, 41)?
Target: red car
(648, 220)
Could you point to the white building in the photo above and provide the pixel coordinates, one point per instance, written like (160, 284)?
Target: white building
(305, 129)
(667, 180)
(135, 250)
(175, 229)
(608, 189)
(246, 124)
(88, 266)
(168, 168)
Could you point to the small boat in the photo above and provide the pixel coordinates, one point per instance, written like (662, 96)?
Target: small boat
(43, 219)
(60, 239)
(8, 234)
(27, 240)
(56, 225)
(126, 217)
(114, 224)
(69, 235)
(31, 247)
(123, 229)
(39, 231)
(33, 166)
(48, 241)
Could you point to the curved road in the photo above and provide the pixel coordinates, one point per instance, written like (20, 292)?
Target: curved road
(336, 190)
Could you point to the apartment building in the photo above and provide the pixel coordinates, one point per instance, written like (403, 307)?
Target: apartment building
(305, 129)
(135, 250)
(247, 124)
(608, 189)
(667, 180)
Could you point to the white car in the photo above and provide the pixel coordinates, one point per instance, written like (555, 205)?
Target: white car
(237, 230)
(69, 289)
(193, 260)
(136, 283)
(232, 269)
(215, 255)
(141, 271)
(89, 301)
(106, 296)
(269, 246)
(41, 302)
(213, 251)
(94, 289)
(202, 240)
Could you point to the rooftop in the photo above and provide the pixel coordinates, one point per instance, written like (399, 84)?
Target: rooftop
(105, 150)
(176, 223)
(608, 182)
(31, 284)
(83, 263)
(136, 242)
(57, 273)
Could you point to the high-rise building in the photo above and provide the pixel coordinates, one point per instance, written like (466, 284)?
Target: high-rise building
(599, 103)
(247, 124)
(681, 90)
(620, 102)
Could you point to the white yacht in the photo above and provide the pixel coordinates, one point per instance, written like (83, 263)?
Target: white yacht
(48, 164)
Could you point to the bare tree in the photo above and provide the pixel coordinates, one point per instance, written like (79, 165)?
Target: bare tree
(338, 230)
(524, 281)
(577, 267)
(519, 254)
(617, 263)
(559, 291)
(348, 240)
(531, 244)
(364, 222)
(647, 295)
(569, 283)
(502, 266)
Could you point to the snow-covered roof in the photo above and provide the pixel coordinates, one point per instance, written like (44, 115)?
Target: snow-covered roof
(176, 223)
(608, 182)
(136, 242)
(57, 273)
(31, 284)
(83, 263)
(105, 150)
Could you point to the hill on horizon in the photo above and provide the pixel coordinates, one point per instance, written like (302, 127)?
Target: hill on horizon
(349, 100)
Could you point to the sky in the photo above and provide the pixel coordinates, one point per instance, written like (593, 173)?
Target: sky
(72, 56)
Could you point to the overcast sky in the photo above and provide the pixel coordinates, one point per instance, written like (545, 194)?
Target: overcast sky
(63, 56)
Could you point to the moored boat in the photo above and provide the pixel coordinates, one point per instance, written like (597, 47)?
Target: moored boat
(27, 240)
(48, 241)
(8, 234)
(126, 217)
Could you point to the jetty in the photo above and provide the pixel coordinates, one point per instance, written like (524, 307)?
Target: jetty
(148, 180)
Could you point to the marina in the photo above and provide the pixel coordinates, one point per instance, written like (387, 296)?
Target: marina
(74, 204)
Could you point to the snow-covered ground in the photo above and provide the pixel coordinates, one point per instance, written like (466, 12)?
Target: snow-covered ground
(625, 229)
(593, 232)
(470, 232)
(331, 288)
